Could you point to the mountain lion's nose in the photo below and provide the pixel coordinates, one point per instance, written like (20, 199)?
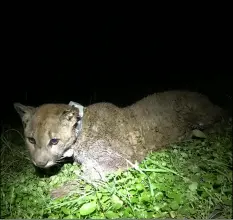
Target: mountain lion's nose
(40, 163)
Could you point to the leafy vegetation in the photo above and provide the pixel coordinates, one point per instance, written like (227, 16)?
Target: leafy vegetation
(192, 179)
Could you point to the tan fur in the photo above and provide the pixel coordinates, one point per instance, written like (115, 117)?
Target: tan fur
(114, 138)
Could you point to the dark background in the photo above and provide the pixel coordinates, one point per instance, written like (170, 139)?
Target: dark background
(114, 58)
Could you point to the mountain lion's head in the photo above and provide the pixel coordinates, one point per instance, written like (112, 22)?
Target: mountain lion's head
(49, 131)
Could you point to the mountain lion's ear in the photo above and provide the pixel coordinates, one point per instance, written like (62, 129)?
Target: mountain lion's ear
(23, 109)
(70, 115)
(25, 112)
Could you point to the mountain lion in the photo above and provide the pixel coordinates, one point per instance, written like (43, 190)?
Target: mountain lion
(105, 138)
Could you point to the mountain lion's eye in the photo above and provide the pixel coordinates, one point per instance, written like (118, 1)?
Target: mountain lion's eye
(53, 141)
(31, 140)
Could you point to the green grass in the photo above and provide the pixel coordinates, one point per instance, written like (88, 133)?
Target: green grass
(192, 179)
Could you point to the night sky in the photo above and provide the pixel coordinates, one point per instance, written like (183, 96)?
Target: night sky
(115, 59)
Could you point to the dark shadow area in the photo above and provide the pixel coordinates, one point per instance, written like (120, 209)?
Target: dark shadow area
(51, 171)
